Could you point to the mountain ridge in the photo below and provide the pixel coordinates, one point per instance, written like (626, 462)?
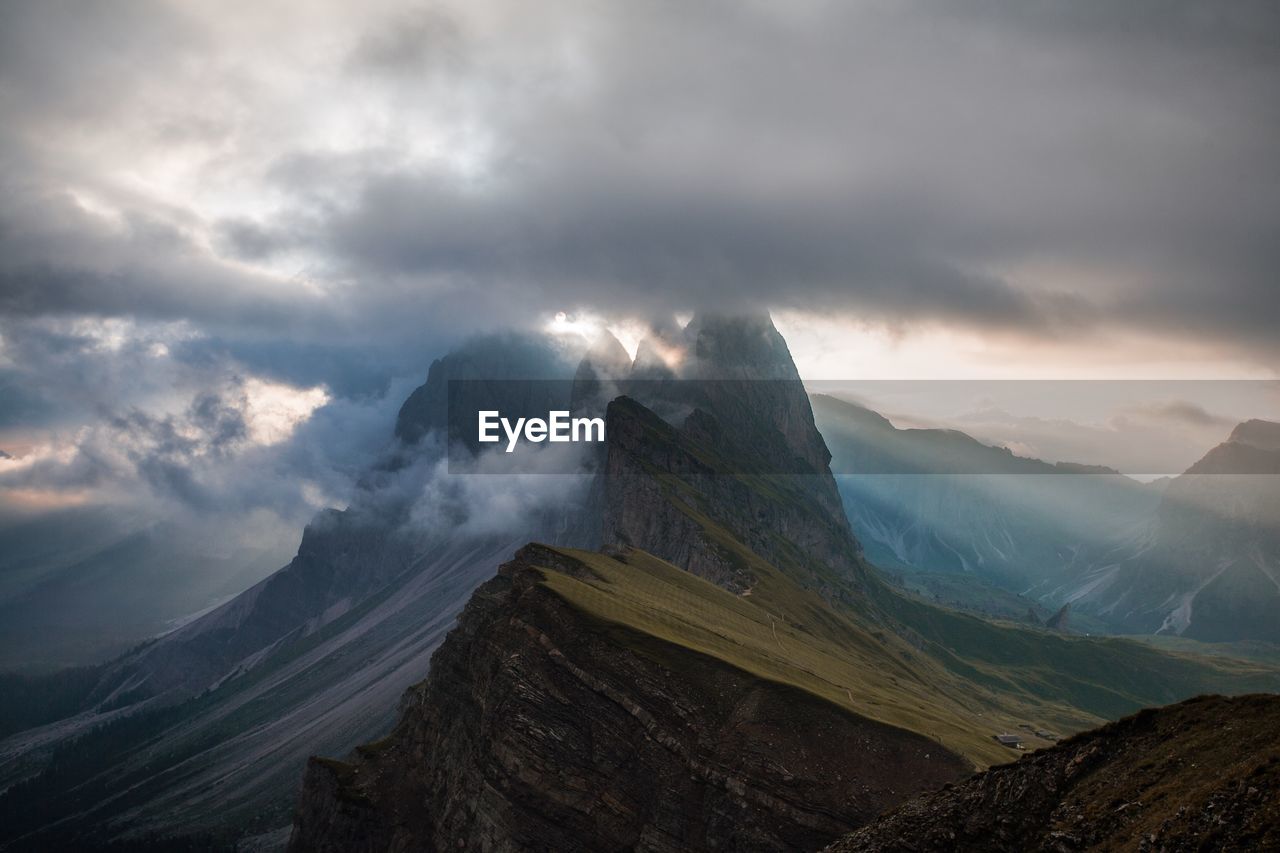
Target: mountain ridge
(1202, 774)
(816, 618)
(781, 569)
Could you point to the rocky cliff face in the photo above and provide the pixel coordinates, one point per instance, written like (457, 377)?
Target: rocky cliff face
(663, 485)
(343, 557)
(506, 356)
(736, 444)
(1201, 775)
(540, 727)
(537, 730)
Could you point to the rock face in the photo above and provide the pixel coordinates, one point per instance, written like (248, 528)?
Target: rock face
(1264, 435)
(540, 728)
(537, 731)
(601, 375)
(343, 557)
(1059, 621)
(507, 356)
(735, 416)
(660, 482)
(1200, 775)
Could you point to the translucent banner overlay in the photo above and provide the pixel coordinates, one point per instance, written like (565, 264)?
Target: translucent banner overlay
(1144, 429)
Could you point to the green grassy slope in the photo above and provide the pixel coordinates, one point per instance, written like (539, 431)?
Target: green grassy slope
(788, 636)
(1105, 676)
(785, 633)
(840, 632)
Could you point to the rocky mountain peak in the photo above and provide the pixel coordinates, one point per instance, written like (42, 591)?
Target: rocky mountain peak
(1060, 620)
(747, 378)
(739, 346)
(503, 356)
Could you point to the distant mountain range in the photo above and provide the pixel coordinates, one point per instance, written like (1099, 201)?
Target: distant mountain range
(685, 648)
(1211, 568)
(84, 583)
(1197, 555)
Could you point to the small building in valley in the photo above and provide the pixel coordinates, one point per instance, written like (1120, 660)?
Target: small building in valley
(1011, 741)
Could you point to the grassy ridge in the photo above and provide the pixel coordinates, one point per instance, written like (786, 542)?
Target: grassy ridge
(788, 636)
(840, 632)
(785, 633)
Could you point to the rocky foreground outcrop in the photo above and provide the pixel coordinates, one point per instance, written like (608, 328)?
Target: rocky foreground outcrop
(1200, 775)
(540, 728)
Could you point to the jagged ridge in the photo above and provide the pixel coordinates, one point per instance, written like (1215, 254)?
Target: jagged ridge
(559, 717)
(1200, 775)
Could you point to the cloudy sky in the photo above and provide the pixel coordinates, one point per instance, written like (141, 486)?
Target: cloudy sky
(227, 227)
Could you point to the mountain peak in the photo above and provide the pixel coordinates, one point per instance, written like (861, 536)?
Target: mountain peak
(500, 356)
(739, 346)
(1264, 435)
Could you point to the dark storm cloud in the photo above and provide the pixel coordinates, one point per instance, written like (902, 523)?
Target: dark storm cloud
(314, 194)
(681, 244)
(1019, 167)
(194, 198)
(1038, 167)
(58, 259)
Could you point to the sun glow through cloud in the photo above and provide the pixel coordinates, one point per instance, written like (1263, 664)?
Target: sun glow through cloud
(274, 410)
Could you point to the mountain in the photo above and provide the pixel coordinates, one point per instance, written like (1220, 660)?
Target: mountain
(1197, 555)
(82, 584)
(538, 368)
(208, 728)
(938, 500)
(1210, 567)
(704, 576)
(1059, 620)
(557, 718)
(727, 672)
(1200, 775)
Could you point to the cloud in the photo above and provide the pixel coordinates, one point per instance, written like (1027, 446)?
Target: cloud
(494, 494)
(337, 175)
(332, 198)
(413, 41)
(1181, 410)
